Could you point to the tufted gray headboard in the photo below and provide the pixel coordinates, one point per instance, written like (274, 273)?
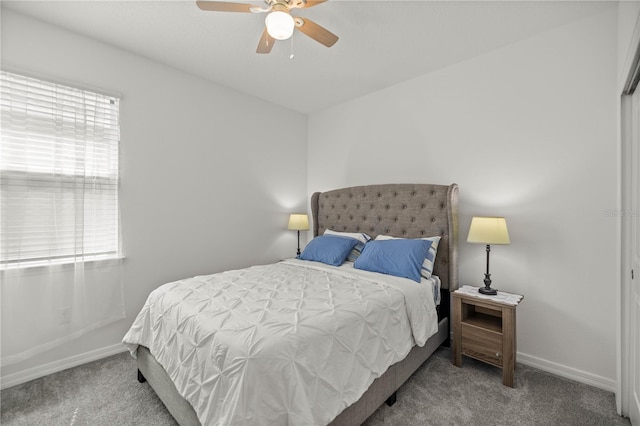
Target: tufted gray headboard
(401, 210)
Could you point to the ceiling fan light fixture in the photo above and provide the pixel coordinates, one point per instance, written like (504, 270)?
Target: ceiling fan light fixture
(279, 24)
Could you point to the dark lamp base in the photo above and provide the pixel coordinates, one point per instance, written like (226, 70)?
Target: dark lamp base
(488, 291)
(487, 281)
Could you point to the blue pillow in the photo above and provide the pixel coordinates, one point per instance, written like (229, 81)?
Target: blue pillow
(328, 249)
(429, 261)
(357, 250)
(401, 258)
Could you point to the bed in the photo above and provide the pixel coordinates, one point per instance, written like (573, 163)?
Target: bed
(406, 211)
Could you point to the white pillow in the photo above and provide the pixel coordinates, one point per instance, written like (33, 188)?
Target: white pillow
(360, 236)
(427, 265)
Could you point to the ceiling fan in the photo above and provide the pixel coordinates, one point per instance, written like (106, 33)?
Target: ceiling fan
(279, 24)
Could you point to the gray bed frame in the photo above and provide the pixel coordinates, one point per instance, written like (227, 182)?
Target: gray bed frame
(402, 210)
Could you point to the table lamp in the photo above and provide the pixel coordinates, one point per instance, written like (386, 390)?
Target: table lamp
(488, 230)
(298, 222)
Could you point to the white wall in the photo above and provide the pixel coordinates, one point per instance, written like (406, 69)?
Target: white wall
(208, 175)
(529, 132)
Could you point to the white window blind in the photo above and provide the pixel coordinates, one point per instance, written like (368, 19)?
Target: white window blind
(58, 173)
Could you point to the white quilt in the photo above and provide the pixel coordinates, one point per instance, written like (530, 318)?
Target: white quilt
(294, 342)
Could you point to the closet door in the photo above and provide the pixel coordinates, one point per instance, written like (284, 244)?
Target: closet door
(630, 238)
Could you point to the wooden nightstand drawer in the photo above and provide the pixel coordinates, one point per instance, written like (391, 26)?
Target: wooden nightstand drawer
(484, 345)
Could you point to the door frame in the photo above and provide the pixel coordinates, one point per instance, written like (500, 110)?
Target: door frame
(632, 68)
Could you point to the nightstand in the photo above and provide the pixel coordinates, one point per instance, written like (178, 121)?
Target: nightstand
(484, 328)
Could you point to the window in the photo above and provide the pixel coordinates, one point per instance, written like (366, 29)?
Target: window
(58, 173)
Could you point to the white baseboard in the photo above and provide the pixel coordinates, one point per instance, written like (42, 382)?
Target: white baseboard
(567, 372)
(73, 361)
(56, 366)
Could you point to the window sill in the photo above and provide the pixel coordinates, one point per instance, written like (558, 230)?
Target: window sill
(105, 260)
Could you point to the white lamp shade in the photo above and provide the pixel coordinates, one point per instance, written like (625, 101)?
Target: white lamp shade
(298, 222)
(279, 24)
(488, 230)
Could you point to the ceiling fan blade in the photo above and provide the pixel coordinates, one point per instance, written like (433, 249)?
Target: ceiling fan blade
(266, 43)
(315, 31)
(304, 4)
(224, 6)
(311, 3)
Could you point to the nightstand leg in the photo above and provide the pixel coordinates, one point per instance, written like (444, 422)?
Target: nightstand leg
(457, 332)
(509, 346)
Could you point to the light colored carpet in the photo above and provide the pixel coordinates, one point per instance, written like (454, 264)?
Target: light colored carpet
(106, 392)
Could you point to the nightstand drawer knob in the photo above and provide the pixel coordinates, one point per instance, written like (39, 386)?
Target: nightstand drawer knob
(497, 354)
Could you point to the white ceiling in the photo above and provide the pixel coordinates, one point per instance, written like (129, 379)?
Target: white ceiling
(381, 42)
